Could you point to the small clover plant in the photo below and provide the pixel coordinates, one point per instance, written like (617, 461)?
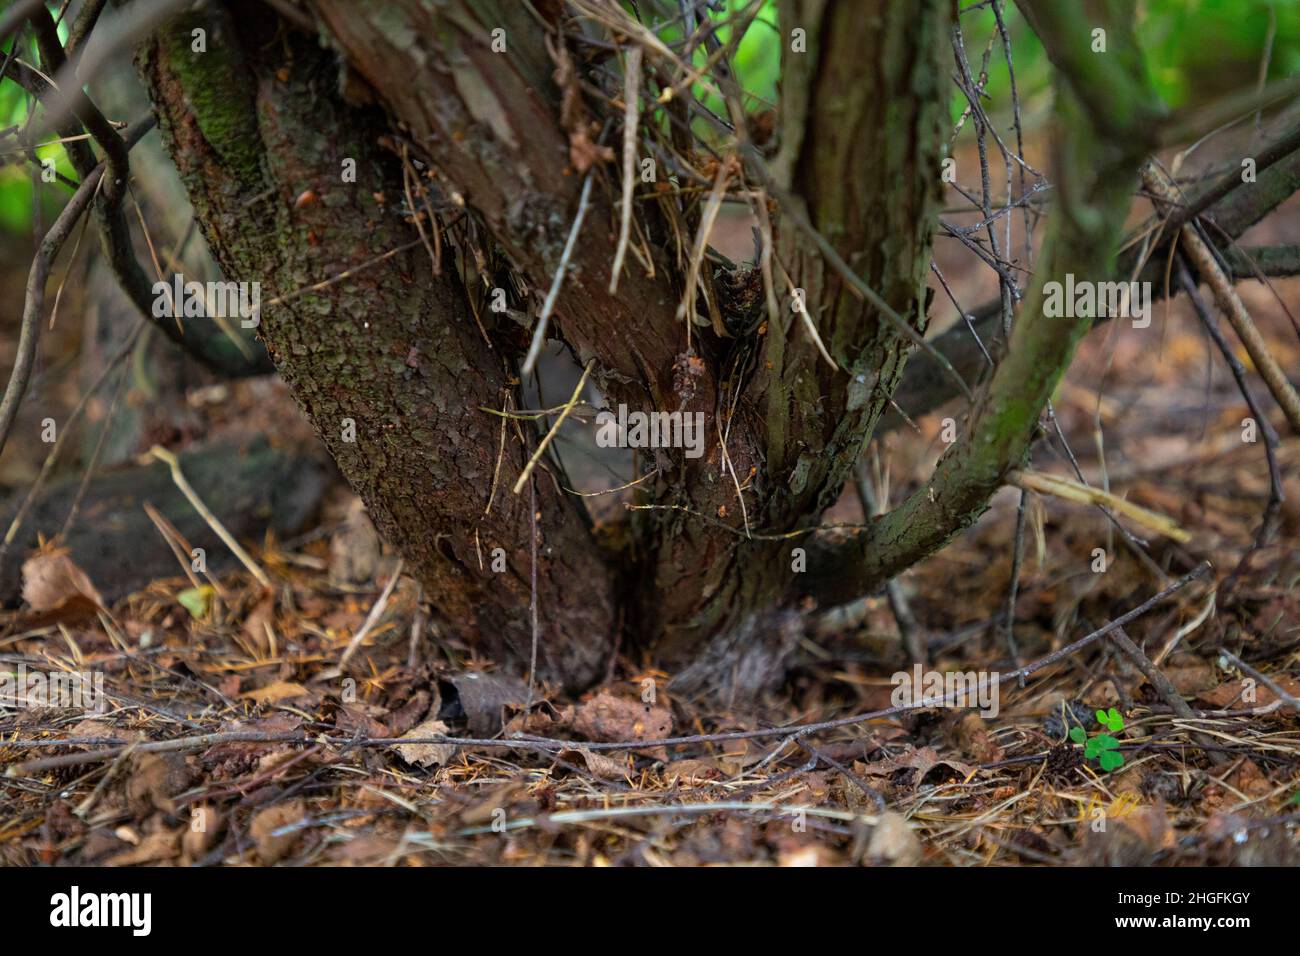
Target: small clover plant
(1102, 747)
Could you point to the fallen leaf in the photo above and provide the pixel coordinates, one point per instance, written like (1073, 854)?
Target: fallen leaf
(276, 692)
(484, 698)
(91, 727)
(692, 772)
(55, 587)
(272, 847)
(601, 766)
(1228, 695)
(1189, 674)
(256, 622)
(196, 600)
(893, 842)
(409, 714)
(920, 760)
(426, 755)
(609, 718)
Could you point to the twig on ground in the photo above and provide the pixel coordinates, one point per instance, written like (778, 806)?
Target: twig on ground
(214, 523)
(376, 612)
(547, 744)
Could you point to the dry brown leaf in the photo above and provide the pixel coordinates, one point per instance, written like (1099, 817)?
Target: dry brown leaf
(893, 842)
(609, 718)
(1227, 696)
(276, 692)
(601, 766)
(91, 727)
(921, 760)
(692, 772)
(426, 755)
(484, 698)
(272, 847)
(1190, 674)
(255, 624)
(56, 588)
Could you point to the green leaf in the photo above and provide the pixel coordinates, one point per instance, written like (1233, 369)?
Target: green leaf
(1092, 748)
(1295, 798)
(1078, 735)
(196, 600)
(1106, 742)
(1111, 760)
(1111, 720)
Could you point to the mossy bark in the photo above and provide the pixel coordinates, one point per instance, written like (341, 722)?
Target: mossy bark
(387, 362)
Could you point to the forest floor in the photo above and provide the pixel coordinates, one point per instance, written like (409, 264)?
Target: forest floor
(234, 735)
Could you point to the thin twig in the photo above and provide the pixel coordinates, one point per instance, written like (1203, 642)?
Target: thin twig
(539, 333)
(214, 523)
(1232, 307)
(546, 439)
(631, 106)
(376, 612)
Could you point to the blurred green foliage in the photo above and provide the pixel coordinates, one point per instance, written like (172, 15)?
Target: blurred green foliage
(1196, 49)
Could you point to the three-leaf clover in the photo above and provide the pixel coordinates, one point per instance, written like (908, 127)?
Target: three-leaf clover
(1103, 747)
(1110, 720)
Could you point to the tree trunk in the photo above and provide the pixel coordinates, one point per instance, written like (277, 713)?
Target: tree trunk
(505, 107)
(387, 362)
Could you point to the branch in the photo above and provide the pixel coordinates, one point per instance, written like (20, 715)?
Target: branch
(501, 137)
(1275, 262)
(1233, 205)
(34, 305)
(1231, 305)
(205, 341)
(1097, 154)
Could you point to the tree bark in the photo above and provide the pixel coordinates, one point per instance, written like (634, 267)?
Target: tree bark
(259, 128)
(259, 133)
